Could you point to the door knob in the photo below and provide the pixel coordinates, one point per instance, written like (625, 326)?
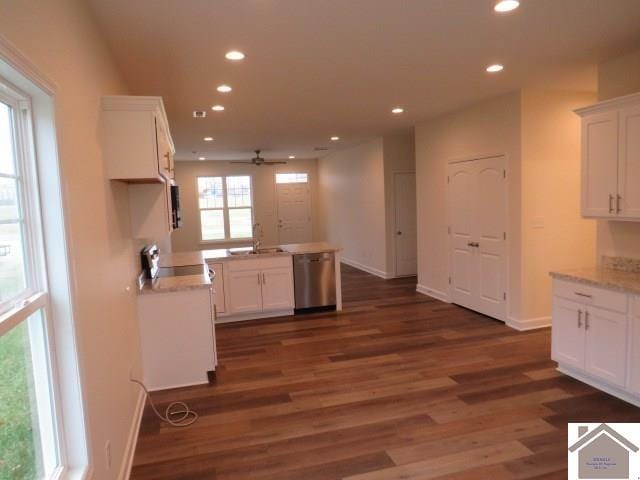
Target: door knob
(399, 233)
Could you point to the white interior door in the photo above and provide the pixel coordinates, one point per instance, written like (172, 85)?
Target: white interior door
(477, 210)
(294, 212)
(405, 223)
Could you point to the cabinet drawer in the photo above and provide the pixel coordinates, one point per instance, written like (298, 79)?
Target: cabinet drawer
(259, 263)
(590, 295)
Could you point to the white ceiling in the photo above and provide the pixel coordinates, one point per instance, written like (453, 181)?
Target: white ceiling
(317, 68)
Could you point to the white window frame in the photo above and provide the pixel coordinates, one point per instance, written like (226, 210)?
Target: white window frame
(225, 209)
(34, 297)
(64, 378)
(292, 173)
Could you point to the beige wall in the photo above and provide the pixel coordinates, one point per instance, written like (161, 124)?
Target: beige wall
(617, 77)
(399, 156)
(352, 204)
(264, 197)
(490, 127)
(554, 236)
(62, 40)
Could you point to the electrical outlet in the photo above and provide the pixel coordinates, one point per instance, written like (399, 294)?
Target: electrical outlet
(107, 454)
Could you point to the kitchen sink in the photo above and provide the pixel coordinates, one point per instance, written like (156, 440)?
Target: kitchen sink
(250, 251)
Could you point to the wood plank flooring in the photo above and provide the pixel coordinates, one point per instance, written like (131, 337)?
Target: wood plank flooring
(397, 386)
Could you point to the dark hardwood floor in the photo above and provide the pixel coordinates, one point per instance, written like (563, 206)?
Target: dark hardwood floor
(397, 386)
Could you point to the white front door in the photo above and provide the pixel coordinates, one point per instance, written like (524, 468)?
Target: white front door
(294, 213)
(405, 223)
(477, 212)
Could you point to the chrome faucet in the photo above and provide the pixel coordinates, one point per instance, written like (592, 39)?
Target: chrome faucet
(256, 232)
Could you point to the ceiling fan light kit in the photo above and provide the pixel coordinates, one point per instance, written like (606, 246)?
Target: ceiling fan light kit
(258, 161)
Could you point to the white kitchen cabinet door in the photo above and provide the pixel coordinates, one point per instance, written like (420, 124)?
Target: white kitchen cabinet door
(244, 291)
(218, 287)
(606, 345)
(600, 164)
(165, 153)
(634, 363)
(277, 288)
(568, 333)
(628, 202)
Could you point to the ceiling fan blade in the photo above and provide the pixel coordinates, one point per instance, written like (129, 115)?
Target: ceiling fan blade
(275, 163)
(242, 162)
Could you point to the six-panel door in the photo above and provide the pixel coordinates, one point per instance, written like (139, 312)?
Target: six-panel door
(568, 333)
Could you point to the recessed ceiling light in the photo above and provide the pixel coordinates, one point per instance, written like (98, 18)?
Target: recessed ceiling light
(335, 139)
(208, 139)
(495, 68)
(201, 158)
(292, 157)
(397, 110)
(217, 108)
(224, 88)
(234, 55)
(504, 6)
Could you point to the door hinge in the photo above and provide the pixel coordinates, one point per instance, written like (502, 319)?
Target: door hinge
(504, 296)
(504, 235)
(449, 280)
(449, 230)
(447, 178)
(504, 174)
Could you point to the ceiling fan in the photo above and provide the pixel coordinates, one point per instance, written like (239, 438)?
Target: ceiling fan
(258, 160)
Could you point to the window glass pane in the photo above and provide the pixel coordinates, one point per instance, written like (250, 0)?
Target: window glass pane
(7, 160)
(25, 404)
(292, 178)
(12, 272)
(8, 199)
(210, 192)
(240, 222)
(239, 191)
(212, 222)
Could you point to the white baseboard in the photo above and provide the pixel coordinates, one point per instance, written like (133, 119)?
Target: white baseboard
(241, 317)
(528, 323)
(366, 268)
(132, 440)
(433, 293)
(600, 385)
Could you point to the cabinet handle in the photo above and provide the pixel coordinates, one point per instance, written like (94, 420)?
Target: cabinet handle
(168, 157)
(579, 318)
(583, 295)
(618, 201)
(610, 203)
(264, 279)
(586, 320)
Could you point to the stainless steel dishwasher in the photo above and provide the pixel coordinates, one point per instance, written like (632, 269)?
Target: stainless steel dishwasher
(314, 277)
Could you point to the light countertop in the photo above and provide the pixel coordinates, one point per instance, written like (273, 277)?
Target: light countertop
(202, 256)
(628, 282)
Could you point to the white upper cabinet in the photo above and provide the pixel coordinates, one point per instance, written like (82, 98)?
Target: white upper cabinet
(136, 141)
(611, 159)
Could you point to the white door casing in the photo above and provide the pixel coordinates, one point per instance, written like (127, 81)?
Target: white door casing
(406, 241)
(294, 212)
(478, 225)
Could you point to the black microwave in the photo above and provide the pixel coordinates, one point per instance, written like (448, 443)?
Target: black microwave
(176, 219)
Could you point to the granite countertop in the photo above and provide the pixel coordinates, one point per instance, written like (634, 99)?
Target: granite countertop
(177, 283)
(620, 280)
(201, 257)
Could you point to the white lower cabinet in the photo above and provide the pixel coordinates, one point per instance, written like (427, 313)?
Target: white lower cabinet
(606, 345)
(634, 364)
(244, 291)
(259, 285)
(567, 336)
(177, 335)
(590, 337)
